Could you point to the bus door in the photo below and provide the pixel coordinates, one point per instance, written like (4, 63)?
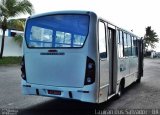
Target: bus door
(103, 62)
(140, 57)
(112, 59)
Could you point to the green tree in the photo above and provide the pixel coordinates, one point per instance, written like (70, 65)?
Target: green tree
(17, 24)
(12, 8)
(18, 39)
(150, 38)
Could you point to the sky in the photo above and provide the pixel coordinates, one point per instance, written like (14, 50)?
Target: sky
(133, 15)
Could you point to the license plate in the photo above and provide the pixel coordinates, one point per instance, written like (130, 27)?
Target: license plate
(54, 92)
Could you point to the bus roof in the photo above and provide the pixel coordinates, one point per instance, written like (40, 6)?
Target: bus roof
(119, 28)
(62, 12)
(78, 12)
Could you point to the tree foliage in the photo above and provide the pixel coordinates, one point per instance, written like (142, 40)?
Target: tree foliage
(150, 38)
(9, 9)
(16, 24)
(18, 39)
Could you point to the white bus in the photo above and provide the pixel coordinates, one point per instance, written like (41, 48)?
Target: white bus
(77, 55)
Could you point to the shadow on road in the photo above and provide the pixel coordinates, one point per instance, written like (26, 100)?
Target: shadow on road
(68, 107)
(61, 107)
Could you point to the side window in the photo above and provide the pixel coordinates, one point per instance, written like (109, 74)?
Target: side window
(134, 46)
(129, 44)
(125, 44)
(120, 43)
(102, 40)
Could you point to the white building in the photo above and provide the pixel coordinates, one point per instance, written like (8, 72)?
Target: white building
(153, 54)
(11, 48)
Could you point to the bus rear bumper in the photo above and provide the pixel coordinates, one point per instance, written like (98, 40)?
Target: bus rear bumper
(86, 94)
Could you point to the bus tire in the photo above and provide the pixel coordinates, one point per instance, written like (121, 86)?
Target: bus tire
(121, 89)
(138, 80)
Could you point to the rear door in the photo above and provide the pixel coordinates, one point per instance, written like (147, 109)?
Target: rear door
(104, 57)
(55, 54)
(103, 62)
(112, 58)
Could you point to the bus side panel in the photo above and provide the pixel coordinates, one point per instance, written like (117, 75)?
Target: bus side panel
(133, 68)
(133, 64)
(93, 50)
(123, 68)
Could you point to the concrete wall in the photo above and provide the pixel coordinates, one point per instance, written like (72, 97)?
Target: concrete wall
(11, 48)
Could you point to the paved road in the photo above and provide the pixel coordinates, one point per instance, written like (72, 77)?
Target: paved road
(145, 95)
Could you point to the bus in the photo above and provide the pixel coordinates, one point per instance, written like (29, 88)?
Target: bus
(78, 55)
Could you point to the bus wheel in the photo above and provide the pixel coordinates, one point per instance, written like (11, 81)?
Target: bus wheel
(121, 89)
(138, 80)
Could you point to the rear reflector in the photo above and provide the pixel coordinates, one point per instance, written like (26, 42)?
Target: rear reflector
(54, 92)
(23, 70)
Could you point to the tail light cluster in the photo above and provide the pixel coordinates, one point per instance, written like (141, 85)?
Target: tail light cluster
(90, 72)
(23, 70)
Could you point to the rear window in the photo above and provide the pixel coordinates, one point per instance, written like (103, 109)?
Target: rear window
(57, 31)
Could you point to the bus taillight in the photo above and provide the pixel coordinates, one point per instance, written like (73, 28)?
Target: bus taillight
(90, 72)
(23, 74)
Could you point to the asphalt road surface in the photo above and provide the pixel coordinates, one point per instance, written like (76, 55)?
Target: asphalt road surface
(145, 95)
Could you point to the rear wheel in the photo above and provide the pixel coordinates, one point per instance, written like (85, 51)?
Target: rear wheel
(121, 89)
(138, 80)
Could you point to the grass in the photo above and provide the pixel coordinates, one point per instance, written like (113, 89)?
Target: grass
(10, 60)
